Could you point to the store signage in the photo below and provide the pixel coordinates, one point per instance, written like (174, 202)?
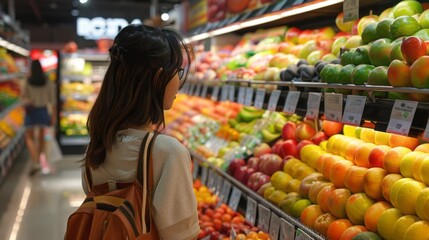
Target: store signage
(99, 28)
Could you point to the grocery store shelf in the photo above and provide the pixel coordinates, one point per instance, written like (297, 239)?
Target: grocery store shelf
(6, 111)
(9, 154)
(74, 140)
(249, 193)
(93, 56)
(14, 48)
(10, 76)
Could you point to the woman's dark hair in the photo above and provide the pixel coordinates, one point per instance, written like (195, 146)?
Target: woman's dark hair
(143, 60)
(37, 77)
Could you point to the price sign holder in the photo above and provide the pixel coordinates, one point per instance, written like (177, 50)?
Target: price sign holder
(204, 174)
(287, 230)
(264, 215)
(300, 235)
(225, 92)
(198, 90)
(351, 10)
(226, 189)
(334, 106)
(249, 96)
(235, 198)
(192, 89)
(401, 117)
(354, 109)
(260, 97)
(251, 209)
(426, 132)
(195, 170)
(204, 91)
(219, 184)
(274, 99)
(215, 93)
(241, 95)
(274, 227)
(291, 102)
(211, 180)
(231, 93)
(313, 105)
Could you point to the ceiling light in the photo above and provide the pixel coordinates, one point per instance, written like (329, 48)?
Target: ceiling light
(83, 1)
(165, 17)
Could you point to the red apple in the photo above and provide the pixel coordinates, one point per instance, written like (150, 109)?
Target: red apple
(262, 149)
(412, 48)
(235, 164)
(253, 162)
(289, 148)
(256, 180)
(276, 147)
(240, 172)
(288, 130)
(319, 137)
(292, 34)
(270, 163)
(247, 174)
(304, 131)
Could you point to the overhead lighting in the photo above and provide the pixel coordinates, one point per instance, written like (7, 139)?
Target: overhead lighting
(165, 17)
(83, 1)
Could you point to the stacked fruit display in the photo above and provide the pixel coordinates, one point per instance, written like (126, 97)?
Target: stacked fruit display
(9, 94)
(10, 125)
(217, 221)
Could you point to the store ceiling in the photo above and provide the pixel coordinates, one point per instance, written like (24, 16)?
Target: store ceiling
(58, 12)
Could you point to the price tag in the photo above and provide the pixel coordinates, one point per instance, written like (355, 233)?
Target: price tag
(241, 95)
(224, 93)
(274, 99)
(264, 215)
(249, 96)
(259, 99)
(333, 106)
(204, 175)
(211, 180)
(313, 105)
(195, 170)
(251, 209)
(354, 109)
(233, 233)
(215, 93)
(219, 184)
(401, 117)
(300, 235)
(274, 227)
(287, 230)
(226, 189)
(231, 93)
(426, 132)
(291, 102)
(235, 198)
(198, 90)
(192, 89)
(351, 10)
(204, 91)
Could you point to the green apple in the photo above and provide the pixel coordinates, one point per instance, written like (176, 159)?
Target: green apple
(338, 44)
(424, 19)
(407, 8)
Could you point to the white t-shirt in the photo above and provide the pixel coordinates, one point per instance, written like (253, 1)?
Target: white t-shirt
(174, 204)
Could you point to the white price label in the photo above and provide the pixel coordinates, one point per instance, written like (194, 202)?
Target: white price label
(274, 99)
(300, 235)
(204, 174)
(219, 184)
(287, 230)
(264, 215)
(334, 106)
(211, 180)
(224, 93)
(195, 170)
(313, 105)
(198, 90)
(251, 209)
(241, 95)
(354, 109)
(204, 91)
(351, 10)
(426, 133)
(235, 198)
(215, 93)
(259, 99)
(274, 227)
(226, 189)
(231, 93)
(291, 102)
(401, 117)
(249, 96)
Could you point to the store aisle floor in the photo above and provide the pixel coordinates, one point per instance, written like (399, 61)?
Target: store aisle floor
(38, 206)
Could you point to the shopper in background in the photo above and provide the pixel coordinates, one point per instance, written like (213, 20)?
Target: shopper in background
(145, 72)
(39, 99)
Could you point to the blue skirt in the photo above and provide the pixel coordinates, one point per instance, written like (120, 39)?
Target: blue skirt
(37, 116)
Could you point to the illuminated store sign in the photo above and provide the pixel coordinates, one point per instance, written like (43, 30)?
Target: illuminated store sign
(96, 28)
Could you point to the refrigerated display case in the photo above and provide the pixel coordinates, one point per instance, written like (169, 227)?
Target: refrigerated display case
(80, 78)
